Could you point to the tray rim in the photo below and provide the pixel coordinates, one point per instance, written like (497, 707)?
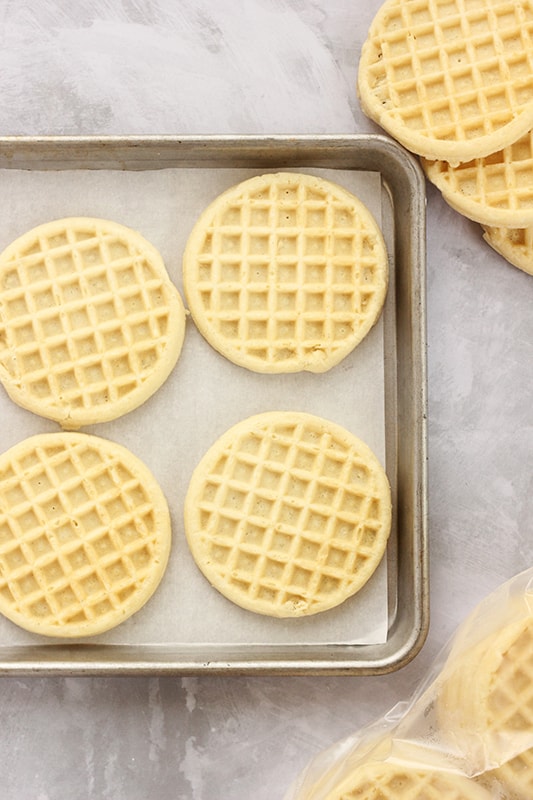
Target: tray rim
(136, 152)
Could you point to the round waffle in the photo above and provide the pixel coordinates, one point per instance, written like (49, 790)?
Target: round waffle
(288, 514)
(495, 190)
(84, 534)
(450, 79)
(90, 323)
(514, 244)
(285, 272)
(387, 780)
(486, 703)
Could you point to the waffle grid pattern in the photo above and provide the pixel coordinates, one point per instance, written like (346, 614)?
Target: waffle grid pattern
(517, 774)
(288, 518)
(508, 708)
(486, 704)
(87, 319)
(79, 542)
(495, 190)
(395, 782)
(510, 702)
(286, 273)
(450, 71)
(514, 244)
(490, 687)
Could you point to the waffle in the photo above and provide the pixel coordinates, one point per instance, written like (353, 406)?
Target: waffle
(90, 324)
(514, 779)
(450, 79)
(495, 190)
(288, 514)
(386, 780)
(486, 704)
(514, 244)
(84, 534)
(285, 272)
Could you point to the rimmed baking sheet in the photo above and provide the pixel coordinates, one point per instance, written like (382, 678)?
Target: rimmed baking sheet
(159, 186)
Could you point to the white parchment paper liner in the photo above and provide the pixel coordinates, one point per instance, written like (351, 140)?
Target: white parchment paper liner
(204, 396)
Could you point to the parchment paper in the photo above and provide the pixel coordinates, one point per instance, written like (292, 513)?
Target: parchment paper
(204, 396)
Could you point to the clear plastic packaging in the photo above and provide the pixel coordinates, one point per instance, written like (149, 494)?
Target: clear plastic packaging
(467, 733)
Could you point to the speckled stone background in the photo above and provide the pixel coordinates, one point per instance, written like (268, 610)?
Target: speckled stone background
(267, 66)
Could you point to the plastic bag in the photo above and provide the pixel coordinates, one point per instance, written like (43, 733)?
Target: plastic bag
(466, 733)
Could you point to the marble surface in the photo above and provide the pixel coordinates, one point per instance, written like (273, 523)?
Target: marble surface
(267, 66)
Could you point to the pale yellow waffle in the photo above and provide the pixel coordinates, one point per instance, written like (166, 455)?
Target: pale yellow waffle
(514, 244)
(90, 323)
(387, 780)
(514, 779)
(450, 79)
(495, 190)
(84, 534)
(486, 704)
(285, 272)
(288, 514)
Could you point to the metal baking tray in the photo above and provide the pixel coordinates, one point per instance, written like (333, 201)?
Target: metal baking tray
(404, 344)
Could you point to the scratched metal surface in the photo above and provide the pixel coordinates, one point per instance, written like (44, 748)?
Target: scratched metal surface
(398, 357)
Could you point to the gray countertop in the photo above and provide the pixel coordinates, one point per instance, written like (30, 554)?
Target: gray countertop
(255, 67)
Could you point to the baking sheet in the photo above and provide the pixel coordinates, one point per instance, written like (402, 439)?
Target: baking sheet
(204, 396)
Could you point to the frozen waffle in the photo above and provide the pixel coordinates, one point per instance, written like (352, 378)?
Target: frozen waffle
(486, 706)
(450, 79)
(388, 780)
(494, 190)
(514, 244)
(285, 272)
(514, 779)
(84, 534)
(90, 323)
(288, 514)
